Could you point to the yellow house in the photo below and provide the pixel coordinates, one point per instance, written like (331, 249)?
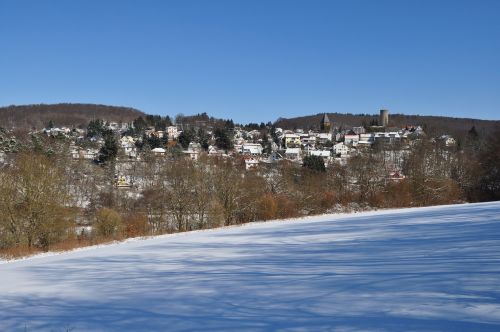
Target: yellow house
(292, 140)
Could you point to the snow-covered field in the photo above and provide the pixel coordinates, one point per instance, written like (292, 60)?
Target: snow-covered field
(427, 269)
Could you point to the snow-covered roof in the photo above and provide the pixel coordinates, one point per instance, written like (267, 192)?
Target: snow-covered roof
(321, 153)
(292, 151)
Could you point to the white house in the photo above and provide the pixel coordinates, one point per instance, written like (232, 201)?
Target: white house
(341, 149)
(159, 151)
(172, 132)
(324, 137)
(253, 149)
(389, 137)
(193, 150)
(447, 140)
(351, 139)
(367, 138)
(325, 154)
(89, 153)
(292, 153)
(251, 163)
(308, 140)
(213, 151)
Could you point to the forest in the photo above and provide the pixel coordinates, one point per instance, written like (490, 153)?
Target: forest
(26, 117)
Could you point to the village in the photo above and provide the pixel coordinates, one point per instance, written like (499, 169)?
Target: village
(261, 146)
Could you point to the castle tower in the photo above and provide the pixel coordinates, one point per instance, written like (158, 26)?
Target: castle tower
(325, 124)
(384, 118)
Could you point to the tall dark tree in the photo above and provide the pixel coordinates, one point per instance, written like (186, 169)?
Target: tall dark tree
(315, 163)
(185, 138)
(222, 139)
(153, 141)
(95, 128)
(109, 150)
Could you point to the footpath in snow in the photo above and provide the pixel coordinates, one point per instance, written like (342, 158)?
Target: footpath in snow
(434, 268)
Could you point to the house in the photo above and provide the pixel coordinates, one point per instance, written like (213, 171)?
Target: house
(159, 151)
(89, 153)
(172, 132)
(292, 140)
(64, 131)
(213, 151)
(292, 154)
(351, 138)
(308, 140)
(128, 145)
(341, 149)
(447, 140)
(193, 151)
(367, 139)
(253, 149)
(254, 134)
(325, 154)
(114, 126)
(159, 133)
(251, 163)
(324, 137)
(389, 137)
(359, 130)
(129, 150)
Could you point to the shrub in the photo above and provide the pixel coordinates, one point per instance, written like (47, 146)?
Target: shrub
(136, 225)
(108, 223)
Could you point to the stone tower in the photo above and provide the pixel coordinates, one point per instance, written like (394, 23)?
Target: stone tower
(325, 124)
(384, 118)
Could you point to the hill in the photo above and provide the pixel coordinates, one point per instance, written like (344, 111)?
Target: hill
(433, 125)
(433, 268)
(38, 116)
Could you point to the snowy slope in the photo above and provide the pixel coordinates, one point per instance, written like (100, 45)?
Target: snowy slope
(416, 269)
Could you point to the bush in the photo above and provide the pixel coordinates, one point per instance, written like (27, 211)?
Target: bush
(108, 223)
(136, 225)
(267, 207)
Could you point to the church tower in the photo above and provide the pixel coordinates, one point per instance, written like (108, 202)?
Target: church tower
(325, 124)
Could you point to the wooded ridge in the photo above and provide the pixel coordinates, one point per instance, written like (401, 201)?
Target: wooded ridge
(66, 114)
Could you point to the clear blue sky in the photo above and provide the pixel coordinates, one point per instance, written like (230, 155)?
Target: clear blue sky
(255, 60)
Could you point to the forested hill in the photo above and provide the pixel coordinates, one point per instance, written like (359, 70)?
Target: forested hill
(38, 116)
(433, 125)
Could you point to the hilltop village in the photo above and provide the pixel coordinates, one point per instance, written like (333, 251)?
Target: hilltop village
(253, 145)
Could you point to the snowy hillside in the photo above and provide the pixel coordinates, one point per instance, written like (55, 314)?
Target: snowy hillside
(416, 269)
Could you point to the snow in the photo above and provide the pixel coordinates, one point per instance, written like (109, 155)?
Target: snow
(434, 268)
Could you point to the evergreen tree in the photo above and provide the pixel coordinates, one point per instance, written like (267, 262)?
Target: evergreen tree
(95, 128)
(185, 138)
(222, 139)
(109, 150)
(314, 163)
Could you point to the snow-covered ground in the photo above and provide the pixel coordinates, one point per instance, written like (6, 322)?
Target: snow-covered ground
(433, 268)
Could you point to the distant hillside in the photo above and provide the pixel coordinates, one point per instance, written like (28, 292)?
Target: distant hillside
(434, 125)
(38, 116)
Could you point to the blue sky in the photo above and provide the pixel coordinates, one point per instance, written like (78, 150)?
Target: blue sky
(255, 60)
